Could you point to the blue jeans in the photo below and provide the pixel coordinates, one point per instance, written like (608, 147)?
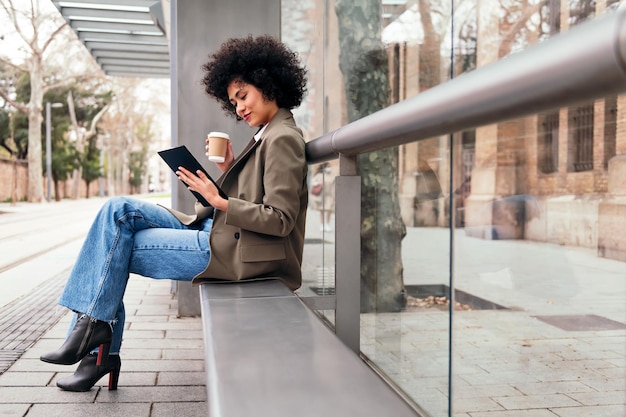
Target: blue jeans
(131, 236)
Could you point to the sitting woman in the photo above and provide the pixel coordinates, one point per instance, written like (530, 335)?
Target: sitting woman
(258, 231)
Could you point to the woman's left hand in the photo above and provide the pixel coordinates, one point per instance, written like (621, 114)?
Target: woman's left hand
(199, 183)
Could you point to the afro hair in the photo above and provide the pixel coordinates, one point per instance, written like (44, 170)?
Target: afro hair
(263, 62)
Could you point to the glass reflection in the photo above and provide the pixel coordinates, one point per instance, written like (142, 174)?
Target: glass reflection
(527, 214)
(547, 313)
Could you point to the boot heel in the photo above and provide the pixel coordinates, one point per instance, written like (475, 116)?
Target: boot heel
(103, 354)
(114, 376)
(88, 374)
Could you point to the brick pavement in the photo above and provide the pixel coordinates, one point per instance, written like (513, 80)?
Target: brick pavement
(506, 363)
(162, 366)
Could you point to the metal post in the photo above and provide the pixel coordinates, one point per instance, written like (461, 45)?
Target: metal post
(48, 152)
(348, 253)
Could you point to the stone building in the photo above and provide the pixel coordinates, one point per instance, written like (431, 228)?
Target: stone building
(555, 177)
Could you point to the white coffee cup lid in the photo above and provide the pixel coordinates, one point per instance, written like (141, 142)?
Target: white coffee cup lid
(219, 135)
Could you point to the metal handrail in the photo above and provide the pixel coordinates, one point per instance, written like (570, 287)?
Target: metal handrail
(584, 63)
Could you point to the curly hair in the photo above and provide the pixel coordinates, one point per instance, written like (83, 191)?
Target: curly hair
(263, 62)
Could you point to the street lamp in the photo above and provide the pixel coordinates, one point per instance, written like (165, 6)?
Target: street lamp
(49, 145)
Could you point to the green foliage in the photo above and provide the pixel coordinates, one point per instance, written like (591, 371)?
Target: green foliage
(64, 162)
(90, 163)
(64, 154)
(66, 158)
(138, 159)
(22, 88)
(11, 119)
(5, 130)
(137, 170)
(88, 103)
(20, 135)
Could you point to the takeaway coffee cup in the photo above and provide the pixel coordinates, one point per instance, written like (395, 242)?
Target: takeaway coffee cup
(218, 144)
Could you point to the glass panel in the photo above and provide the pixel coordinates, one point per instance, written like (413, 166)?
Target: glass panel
(539, 261)
(405, 241)
(302, 25)
(541, 271)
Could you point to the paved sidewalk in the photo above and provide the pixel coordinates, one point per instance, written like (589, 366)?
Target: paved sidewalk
(507, 363)
(162, 366)
(162, 355)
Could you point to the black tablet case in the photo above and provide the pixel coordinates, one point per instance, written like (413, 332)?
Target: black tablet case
(181, 157)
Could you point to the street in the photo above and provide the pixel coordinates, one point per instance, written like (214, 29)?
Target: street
(40, 241)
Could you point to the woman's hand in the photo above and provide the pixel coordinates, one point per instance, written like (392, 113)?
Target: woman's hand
(228, 159)
(199, 183)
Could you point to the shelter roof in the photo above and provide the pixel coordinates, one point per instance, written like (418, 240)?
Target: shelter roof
(125, 37)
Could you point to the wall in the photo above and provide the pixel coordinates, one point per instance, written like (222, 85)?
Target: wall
(13, 176)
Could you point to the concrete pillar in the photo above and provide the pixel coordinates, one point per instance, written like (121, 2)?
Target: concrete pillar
(199, 27)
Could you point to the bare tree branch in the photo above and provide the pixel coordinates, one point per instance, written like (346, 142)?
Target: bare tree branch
(95, 120)
(528, 12)
(20, 106)
(53, 36)
(8, 63)
(66, 82)
(10, 12)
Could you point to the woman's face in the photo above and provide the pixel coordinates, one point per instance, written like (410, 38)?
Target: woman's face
(250, 104)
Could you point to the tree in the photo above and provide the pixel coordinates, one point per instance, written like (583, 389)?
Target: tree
(64, 156)
(8, 80)
(77, 113)
(132, 125)
(15, 124)
(91, 107)
(139, 157)
(28, 26)
(363, 63)
(5, 129)
(41, 32)
(90, 163)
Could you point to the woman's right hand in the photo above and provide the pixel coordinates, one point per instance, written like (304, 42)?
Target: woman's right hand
(228, 159)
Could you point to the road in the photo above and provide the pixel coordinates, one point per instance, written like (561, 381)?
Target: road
(40, 241)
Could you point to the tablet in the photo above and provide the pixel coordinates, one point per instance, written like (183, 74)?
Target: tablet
(181, 157)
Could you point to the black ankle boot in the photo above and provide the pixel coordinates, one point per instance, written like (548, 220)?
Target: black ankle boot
(87, 334)
(88, 373)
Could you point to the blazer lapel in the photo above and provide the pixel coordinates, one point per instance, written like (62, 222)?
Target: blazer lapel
(277, 119)
(242, 157)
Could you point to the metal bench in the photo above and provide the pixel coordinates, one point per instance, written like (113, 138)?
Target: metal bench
(268, 354)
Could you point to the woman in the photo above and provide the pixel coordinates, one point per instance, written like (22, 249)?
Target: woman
(258, 231)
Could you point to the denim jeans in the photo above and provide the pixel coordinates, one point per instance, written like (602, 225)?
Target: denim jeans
(131, 236)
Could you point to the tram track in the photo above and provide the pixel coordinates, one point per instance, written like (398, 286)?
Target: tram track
(30, 256)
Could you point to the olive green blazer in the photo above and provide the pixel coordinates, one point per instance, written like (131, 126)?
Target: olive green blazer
(261, 235)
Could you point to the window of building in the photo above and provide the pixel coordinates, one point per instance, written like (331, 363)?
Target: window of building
(612, 4)
(580, 134)
(581, 10)
(552, 17)
(548, 142)
(610, 128)
(395, 74)
(468, 139)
